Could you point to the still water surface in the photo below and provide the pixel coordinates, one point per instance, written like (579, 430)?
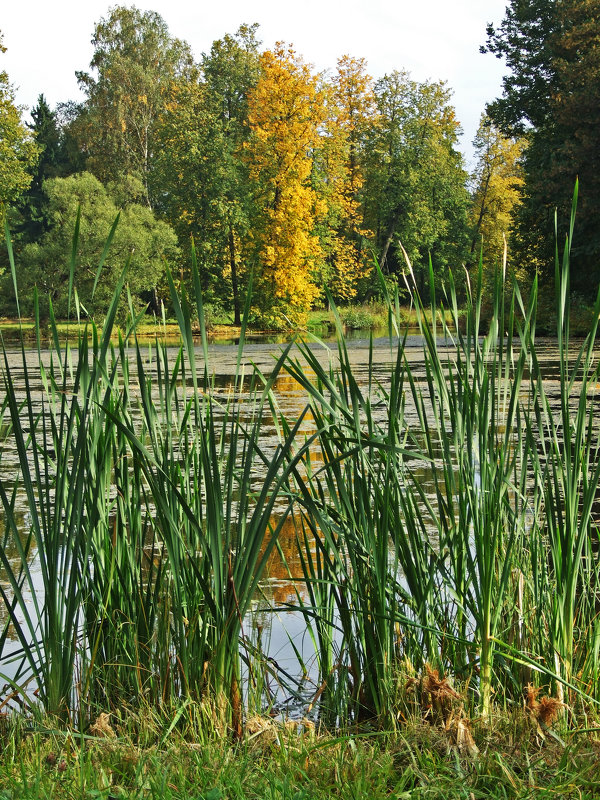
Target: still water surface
(272, 621)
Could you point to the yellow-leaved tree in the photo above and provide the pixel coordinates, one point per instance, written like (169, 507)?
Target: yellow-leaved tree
(498, 183)
(285, 113)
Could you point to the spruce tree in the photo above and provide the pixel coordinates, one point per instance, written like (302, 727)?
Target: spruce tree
(33, 205)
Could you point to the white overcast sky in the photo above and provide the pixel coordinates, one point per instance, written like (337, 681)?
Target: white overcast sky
(47, 40)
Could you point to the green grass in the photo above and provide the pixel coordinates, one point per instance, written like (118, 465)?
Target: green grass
(369, 316)
(290, 763)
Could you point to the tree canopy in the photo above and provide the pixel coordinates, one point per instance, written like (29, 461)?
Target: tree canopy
(140, 239)
(201, 181)
(18, 151)
(135, 59)
(416, 197)
(298, 178)
(285, 112)
(50, 163)
(497, 184)
(552, 97)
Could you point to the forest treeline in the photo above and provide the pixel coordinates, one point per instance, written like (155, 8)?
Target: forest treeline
(300, 179)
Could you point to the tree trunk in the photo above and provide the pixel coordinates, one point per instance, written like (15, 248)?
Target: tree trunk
(390, 235)
(237, 320)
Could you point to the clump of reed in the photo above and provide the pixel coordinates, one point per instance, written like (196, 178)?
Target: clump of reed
(486, 569)
(147, 531)
(444, 514)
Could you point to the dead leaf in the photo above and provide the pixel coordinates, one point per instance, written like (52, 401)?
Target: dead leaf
(102, 728)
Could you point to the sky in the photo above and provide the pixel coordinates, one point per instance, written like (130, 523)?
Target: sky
(432, 39)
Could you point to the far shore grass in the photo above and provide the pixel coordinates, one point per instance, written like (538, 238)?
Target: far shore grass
(319, 321)
(366, 317)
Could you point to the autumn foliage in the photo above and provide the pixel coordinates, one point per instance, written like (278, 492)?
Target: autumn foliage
(285, 112)
(297, 180)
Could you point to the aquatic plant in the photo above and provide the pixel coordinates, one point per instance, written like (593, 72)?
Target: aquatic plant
(444, 509)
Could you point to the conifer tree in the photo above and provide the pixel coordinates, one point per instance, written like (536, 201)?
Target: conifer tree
(552, 96)
(33, 204)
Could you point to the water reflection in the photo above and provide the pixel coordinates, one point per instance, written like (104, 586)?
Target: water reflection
(271, 622)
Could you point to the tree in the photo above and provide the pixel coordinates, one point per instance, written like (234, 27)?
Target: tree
(135, 60)
(71, 120)
(497, 184)
(32, 206)
(18, 151)
(415, 191)
(286, 112)
(524, 40)
(231, 72)
(139, 237)
(202, 131)
(351, 112)
(577, 111)
(552, 94)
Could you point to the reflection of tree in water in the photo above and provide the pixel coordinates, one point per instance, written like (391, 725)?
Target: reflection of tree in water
(283, 577)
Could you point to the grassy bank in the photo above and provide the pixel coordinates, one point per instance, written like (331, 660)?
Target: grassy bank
(372, 316)
(364, 317)
(288, 762)
(368, 317)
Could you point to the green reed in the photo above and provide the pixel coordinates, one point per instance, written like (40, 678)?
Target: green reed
(55, 441)
(149, 529)
(371, 565)
(444, 512)
(490, 572)
(473, 388)
(565, 452)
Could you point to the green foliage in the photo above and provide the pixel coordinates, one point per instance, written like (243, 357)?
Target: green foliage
(140, 239)
(524, 41)
(551, 96)
(50, 164)
(201, 132)
(415, 196)
(362, 317)
(135, 59)
(74, 147)
(299, 205)
(18, 152)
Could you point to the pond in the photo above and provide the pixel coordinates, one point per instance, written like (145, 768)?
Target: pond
(275, 619)
(283, 575)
